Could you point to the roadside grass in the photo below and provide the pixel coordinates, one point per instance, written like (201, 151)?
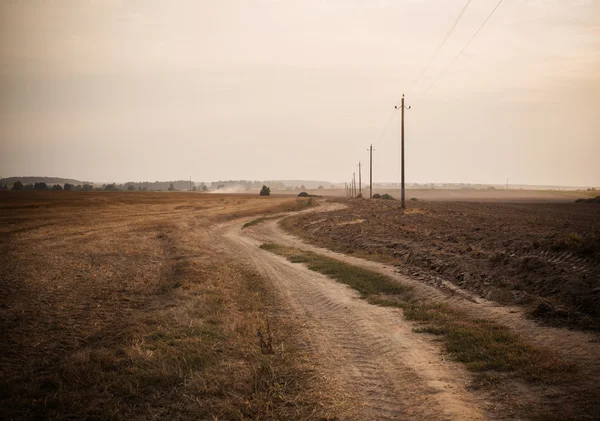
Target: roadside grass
(485, 347)
(289, 206)
(257, 221)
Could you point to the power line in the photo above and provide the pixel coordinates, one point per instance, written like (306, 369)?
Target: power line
(461, 51)
(462, 12)
(386, 126)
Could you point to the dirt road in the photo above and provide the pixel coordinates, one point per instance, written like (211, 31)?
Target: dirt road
(375, 363)
(371, 355)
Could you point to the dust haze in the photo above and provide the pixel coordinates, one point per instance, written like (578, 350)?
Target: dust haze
(130, 91)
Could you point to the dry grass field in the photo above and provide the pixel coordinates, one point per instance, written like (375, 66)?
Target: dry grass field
(120, 306)
(200, 306)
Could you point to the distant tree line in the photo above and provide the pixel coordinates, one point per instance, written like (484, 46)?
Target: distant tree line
(179, 185)
(19, 186)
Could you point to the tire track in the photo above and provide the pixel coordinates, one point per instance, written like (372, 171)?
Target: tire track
(386, 371)
(581, 348)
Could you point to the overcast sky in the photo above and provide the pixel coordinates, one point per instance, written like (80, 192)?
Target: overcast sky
(273, 89)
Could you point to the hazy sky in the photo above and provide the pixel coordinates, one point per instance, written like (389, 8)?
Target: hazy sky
(272, 89)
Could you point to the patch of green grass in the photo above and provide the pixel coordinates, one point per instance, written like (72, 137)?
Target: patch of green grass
(258, 221)
(366, 282)
(483, 346)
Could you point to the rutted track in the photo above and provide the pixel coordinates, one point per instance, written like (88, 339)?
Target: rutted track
(370, 353)
(583, 348)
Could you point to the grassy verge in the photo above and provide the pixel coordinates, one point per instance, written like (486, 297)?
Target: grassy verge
(483, 346)
(258, 221)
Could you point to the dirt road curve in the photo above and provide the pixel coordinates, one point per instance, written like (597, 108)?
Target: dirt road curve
(582, 348)
(369, 353)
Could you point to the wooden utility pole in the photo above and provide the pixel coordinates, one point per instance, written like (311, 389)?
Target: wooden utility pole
(370, 171)
(190, 183)
(353, 184)
(359, 181)
(403, 203)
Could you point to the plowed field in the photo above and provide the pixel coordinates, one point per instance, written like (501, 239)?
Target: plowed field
(545, 256)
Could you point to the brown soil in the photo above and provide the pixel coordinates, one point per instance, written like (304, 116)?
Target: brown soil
(540, 255)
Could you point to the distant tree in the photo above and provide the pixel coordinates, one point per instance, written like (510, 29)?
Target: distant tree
(40, 186)
(171, 187)
(57, 187)
(194, 188)
(68, 187)
(110, 187)
(130, 187)
(320, 188)
(265, 191)
(87, 187)
(303, 187)
(17, 186)
(28, 187)
(204, 188)
(145, 189)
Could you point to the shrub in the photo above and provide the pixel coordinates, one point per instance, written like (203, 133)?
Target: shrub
(590, 200)
(40, 186)
(68, 187)
(303, 194)
(265, 191)
(387, 197)
(17, 186)
(376, 196)
(57, 187)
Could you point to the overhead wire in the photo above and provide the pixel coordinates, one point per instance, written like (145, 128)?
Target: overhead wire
(461, 51)
(440, 46)
(387, 125)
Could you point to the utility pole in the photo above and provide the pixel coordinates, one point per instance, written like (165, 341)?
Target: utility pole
(403, 204)
(190, 183)
(359, 181)
(370, 171)
(353, 184)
